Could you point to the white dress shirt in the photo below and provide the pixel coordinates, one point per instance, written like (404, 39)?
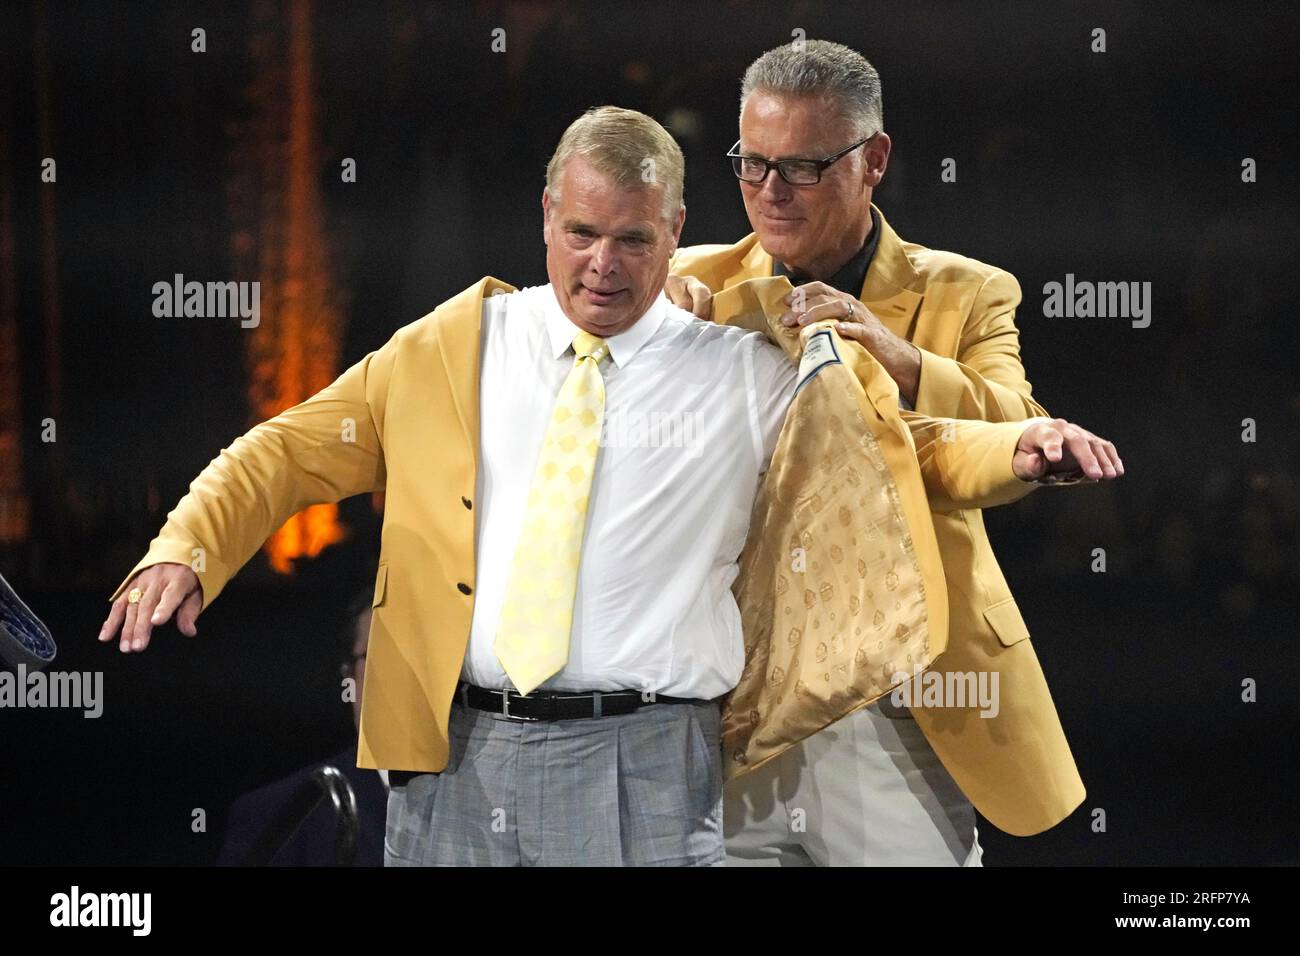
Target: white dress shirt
(692, 415)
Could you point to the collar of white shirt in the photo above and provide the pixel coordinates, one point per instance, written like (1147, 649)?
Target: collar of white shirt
(622, 347)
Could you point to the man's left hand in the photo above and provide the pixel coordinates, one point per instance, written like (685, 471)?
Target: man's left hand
(816, 302)
(1060, 448)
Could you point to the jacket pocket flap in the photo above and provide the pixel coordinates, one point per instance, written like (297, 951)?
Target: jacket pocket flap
(381, 585)
(1004, 617)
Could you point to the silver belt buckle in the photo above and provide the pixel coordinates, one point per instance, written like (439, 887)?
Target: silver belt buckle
(505, 708)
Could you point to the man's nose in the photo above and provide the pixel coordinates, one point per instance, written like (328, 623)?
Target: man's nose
(774, 189)
(603, 258)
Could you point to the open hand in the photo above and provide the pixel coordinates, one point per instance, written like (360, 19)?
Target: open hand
(166, 587)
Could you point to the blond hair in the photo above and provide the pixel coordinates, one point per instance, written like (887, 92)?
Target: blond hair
(629, 147)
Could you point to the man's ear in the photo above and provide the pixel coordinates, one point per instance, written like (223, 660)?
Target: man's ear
(877, 156)
(546, 215)
(677, 227)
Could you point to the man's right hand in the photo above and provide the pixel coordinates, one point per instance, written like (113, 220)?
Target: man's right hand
(166, 587)
(690, 294)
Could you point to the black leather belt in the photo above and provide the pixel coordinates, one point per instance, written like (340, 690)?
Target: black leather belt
(561, 705)
(549, 705)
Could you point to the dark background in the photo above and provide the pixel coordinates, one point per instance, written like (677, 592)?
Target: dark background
(1115, 166)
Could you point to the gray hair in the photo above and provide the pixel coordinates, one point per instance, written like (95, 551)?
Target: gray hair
(630, 147)
(820, 68)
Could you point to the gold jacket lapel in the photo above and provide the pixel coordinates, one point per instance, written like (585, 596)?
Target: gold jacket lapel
(458, 337)
(888, 288)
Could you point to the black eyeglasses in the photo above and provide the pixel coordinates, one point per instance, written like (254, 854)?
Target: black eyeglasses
(796, 172)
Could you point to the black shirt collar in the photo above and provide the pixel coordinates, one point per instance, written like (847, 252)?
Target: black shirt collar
(852, 275)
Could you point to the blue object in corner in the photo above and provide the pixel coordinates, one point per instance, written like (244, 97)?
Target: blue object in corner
(23, 638)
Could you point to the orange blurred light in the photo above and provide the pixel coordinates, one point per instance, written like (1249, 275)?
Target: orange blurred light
(294, 352)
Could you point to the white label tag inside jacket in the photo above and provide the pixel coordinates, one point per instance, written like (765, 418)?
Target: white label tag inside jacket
(817, 354)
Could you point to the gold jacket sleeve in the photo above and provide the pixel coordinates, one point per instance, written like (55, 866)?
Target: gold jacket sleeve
(964, 464)
(987, 380)
(321, 450)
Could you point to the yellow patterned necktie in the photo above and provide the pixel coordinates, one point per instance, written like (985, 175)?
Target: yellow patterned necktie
(532, 639)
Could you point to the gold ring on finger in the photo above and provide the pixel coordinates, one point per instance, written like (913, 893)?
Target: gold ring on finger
(134, 596)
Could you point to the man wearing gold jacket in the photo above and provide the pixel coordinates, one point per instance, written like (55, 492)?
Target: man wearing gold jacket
(891, 784)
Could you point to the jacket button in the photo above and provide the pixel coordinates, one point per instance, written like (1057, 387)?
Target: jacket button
(466, 502)
(463, 588)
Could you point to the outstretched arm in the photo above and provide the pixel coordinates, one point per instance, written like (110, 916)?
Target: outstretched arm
(967, 464)
(322, 450)
(977, 464)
